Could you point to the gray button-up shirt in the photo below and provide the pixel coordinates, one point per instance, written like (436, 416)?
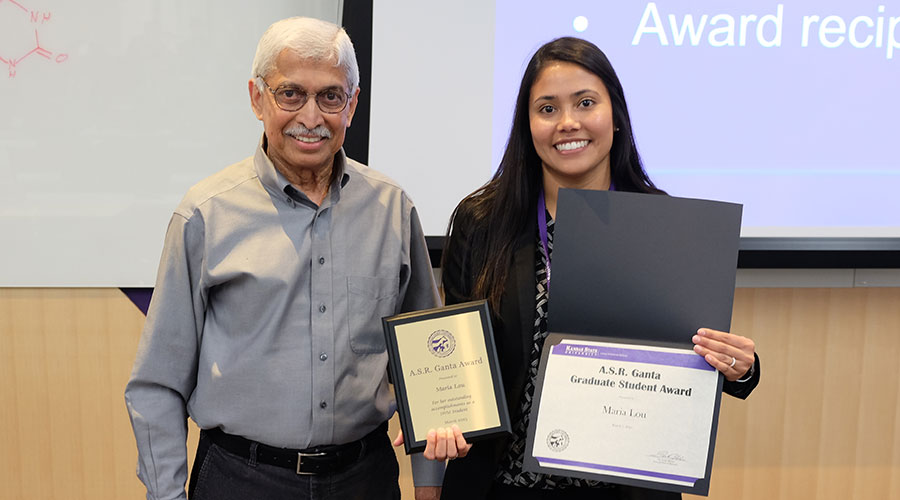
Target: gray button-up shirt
(266, 316)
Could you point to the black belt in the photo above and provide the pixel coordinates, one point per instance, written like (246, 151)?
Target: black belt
(327, 459)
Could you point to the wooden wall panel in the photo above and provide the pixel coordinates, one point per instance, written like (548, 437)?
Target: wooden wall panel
(66, 355)
(824, 423)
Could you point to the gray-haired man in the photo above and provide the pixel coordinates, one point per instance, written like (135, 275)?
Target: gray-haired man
(265, 322)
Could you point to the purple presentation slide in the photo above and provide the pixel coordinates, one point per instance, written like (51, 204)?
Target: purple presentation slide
(789, 108)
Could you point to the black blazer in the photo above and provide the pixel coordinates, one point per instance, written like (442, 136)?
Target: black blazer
(470, 478)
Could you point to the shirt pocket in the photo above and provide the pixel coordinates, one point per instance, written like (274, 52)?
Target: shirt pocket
(369, 300)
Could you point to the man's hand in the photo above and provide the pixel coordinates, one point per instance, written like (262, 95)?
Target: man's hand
(442, 443)
(398, 441)
(428, 492)
(446, 443)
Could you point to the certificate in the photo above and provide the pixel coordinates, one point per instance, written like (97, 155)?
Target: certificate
(624, 413)
(443, 364)
(636, 406)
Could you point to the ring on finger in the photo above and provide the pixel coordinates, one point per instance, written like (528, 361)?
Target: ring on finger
(733, 362)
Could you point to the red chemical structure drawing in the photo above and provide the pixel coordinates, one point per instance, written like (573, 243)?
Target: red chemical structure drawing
(20, 35)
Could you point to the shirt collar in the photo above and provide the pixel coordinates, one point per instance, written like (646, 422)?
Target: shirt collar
(272, 179)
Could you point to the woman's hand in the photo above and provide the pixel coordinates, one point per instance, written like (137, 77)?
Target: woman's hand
(731, 354)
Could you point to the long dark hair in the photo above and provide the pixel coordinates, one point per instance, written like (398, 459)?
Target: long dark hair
(502, 209)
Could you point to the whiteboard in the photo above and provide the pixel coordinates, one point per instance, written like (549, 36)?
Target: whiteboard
(119, 108)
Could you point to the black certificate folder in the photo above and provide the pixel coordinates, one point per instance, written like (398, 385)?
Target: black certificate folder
(620, 395)
(641, 266)
(444, 366)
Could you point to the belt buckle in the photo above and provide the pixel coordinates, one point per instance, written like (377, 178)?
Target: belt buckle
(300, 456)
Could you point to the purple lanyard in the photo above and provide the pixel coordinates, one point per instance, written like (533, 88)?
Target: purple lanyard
(542, 229)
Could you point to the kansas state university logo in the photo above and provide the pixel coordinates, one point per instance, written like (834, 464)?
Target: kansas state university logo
(441, 343)
(558, 440)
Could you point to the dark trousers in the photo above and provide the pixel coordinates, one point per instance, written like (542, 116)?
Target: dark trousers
(220, 475)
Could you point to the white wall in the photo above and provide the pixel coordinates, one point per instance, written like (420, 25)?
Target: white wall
(432, 95)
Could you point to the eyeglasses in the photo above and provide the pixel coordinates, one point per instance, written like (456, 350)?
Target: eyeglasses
(293, 99)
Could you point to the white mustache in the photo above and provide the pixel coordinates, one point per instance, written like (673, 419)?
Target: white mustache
(299, 130)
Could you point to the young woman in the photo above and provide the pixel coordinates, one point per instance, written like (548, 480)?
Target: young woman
(570, 129)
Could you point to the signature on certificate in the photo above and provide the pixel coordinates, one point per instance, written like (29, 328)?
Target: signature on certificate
(668, 458)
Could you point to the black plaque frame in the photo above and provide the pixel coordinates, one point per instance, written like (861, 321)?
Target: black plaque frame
(397, 372)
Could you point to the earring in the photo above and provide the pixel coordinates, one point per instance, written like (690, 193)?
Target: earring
(617, 129)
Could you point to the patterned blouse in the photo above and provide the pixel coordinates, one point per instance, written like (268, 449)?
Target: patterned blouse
(510, 471)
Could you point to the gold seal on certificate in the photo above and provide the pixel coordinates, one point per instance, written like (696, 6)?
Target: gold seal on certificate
(444, 367)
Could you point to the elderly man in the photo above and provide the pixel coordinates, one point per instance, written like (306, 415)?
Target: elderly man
(265, 324)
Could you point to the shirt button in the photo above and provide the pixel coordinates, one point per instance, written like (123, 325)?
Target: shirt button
(323, 404)
(322, 308)
(321, 260)
(323, 356)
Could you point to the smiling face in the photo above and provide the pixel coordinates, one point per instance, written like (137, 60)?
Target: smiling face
(571, 123)
(306, 139)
